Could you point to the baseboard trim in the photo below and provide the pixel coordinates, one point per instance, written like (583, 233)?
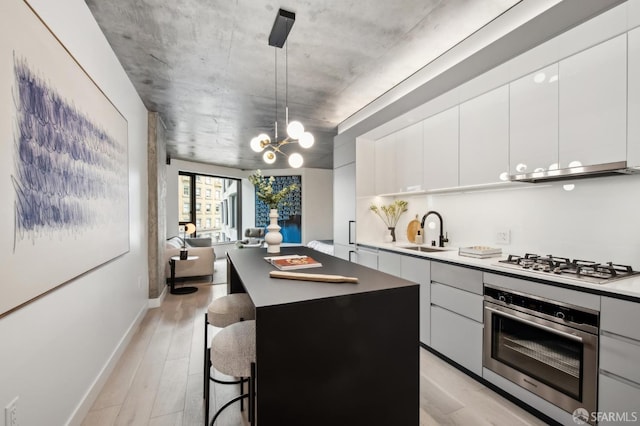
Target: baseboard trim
(156, 302)
(92, 393)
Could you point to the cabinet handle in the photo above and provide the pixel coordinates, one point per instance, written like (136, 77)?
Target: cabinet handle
(533, 324)
(351, 222)
(350, 253)
(617, 336)
(620, 379)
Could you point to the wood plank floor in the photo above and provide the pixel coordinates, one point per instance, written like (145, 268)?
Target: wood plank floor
(158, 380)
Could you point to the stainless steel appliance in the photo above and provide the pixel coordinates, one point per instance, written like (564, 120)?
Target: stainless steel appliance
(547, 347)
(578, 270)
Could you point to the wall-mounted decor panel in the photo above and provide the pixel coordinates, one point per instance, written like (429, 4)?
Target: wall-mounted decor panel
(64, 162)
(289, 214)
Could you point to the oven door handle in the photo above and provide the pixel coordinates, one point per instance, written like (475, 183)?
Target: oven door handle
(533, 324)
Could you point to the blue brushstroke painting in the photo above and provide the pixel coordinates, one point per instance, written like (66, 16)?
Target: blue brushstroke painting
(67, 168)
(289, 213)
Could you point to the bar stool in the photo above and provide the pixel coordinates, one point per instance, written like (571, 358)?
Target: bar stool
(222, 312)
(233, 352)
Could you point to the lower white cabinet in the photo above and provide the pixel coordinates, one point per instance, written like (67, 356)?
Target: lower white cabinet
(367, 257)
(618, 402)
(389, 263)
(456, 314)
(619, 378)
(457, 337)
(418, 270)
(346, 252)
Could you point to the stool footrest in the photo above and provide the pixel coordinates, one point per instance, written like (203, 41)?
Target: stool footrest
(236, 399)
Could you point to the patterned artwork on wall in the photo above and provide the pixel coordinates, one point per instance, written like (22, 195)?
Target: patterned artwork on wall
(290, 215)
(64, 163)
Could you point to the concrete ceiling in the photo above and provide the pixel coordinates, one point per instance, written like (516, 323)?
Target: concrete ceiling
(207, 68)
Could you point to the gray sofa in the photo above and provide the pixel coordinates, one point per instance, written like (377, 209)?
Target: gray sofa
(201, 267)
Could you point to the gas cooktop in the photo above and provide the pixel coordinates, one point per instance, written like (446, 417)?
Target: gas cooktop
(580, 270)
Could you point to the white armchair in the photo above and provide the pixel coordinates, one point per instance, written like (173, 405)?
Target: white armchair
(203, 266)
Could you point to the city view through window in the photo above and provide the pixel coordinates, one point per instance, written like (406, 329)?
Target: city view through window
(210, 203)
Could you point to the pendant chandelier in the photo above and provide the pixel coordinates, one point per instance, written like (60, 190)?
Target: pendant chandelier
(295, 130)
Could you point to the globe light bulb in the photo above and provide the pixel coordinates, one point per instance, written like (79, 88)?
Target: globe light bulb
(306, 140)
(575, 163)
(269, 157)
(504, 176)
(295, 129)
(255, 144)
(521, 167)
(295, 160)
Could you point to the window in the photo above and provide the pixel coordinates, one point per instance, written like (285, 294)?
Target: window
(210, 217)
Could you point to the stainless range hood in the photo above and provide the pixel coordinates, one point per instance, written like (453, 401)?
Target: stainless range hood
(582, 172)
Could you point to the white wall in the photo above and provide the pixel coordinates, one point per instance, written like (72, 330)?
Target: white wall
(317, 196)
(596, 221)
(55, 348)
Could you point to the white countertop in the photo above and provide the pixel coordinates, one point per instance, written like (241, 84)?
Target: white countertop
(626, 286)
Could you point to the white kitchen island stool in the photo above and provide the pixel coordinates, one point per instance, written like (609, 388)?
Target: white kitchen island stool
(222, 312)
(233, 352)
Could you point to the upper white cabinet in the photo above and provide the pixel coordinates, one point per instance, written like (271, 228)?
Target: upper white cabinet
(365, 170)
(409, 167)
(593, 105)
(484, 137)
(385, 164)
(633, 112)
(533, 121)
(440, 150)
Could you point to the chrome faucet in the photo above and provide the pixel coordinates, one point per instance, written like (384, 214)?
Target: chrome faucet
(441, 239)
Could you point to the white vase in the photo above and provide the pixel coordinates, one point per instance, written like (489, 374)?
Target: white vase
(273, 237)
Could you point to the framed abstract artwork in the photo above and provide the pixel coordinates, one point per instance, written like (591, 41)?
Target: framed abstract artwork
(289, 215)
(64, 163)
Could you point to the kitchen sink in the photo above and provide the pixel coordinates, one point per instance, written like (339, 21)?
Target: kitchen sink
(425, 249)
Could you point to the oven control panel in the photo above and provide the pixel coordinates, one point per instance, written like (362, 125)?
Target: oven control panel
(555, 311)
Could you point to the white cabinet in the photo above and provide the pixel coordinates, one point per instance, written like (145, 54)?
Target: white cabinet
(456, 314)
(389, 262)
(344, 210)
(367, 257)
(385, 164)
(593, 105)
(633, 137)
(484, 138)
(619, 378)
(418, 270)
(440, 150)
(533, 121)
(365, 168)
(409, 167)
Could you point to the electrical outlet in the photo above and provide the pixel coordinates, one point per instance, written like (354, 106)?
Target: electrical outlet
(503, 236)
(11, 413)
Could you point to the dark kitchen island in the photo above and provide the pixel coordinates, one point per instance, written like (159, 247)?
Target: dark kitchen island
(331, 354)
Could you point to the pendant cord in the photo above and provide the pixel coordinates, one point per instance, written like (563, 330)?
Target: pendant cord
(275, 139)
(286, 78)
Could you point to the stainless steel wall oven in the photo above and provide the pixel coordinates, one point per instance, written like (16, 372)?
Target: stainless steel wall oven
(547, 347)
